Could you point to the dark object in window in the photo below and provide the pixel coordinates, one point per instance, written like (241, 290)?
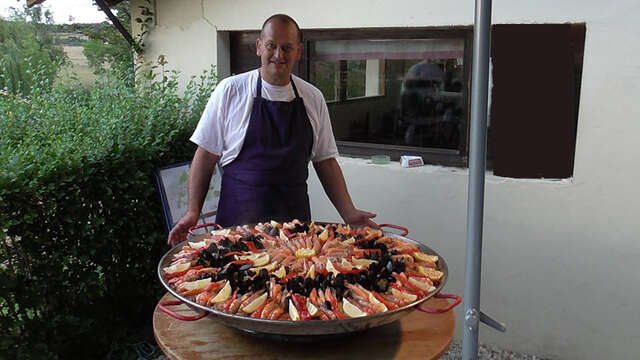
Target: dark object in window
(534, 103)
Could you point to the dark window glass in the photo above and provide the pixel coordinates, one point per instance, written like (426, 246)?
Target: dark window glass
(403, 92)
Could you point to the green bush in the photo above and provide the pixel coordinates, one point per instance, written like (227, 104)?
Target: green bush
(80, 216)
(25, 46)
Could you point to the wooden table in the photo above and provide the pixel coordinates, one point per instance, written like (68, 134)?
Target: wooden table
(415, 336)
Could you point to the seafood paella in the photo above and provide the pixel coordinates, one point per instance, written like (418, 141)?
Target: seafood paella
(302, 271)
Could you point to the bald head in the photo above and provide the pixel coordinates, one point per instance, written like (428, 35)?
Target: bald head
(284, 19)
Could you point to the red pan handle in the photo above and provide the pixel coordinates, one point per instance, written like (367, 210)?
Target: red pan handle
(201, 226)
(405, 231)
(457, 301)
(162, 306)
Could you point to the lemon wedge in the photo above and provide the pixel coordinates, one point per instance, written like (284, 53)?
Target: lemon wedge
(261, 261)
(362, 262)
(351, 310)
(350, 241)
(283, 237)
(224, 294)
(293, 312)
(420, 256)
(377, 303)
(401, 294)
(324, 235)
(269, 267)
(274, 224)
(374, 232)
(432, 274)
(197, 245)
(198, 284)
(255, 304)
(331, 269)
(280, 272)
(304, 252)
(312, 309)
(312, 272)
(224, 232)
(176, 268)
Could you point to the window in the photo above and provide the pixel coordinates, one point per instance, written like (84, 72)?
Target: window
(405, 94)
(399, 91)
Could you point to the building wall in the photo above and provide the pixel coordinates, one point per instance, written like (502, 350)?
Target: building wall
(560, 258)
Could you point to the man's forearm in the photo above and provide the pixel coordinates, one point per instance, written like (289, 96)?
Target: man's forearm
(332, 180)
(200, 173)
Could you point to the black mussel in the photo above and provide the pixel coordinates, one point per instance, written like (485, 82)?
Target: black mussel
(358, 237)
(226, 243)
(308, 284)
(212, 248)
(319, 279)
(263, 273)
(363, 280)
(398, 266)
(381, 285)
(391, 279)
(339, 294)
(273, 231)
(258, 244)
(245, 267)
(394, 252)
(327, 304)
(374, 267)
(330, 277)
(389, 266)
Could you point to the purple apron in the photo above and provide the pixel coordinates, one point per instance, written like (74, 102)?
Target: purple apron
(268, 178)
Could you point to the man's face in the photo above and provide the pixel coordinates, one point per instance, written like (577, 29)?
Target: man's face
(279, 50)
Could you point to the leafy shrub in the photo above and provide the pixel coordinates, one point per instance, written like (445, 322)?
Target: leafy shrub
(25, 45)
(81, 222)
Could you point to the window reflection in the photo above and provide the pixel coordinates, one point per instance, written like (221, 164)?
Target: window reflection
(402, 92)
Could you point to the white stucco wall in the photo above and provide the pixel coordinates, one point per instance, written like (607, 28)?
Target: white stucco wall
(561, 258)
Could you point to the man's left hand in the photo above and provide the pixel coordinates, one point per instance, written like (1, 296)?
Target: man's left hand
(359, 217)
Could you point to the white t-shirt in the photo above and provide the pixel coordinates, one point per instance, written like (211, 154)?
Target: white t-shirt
(225, 119)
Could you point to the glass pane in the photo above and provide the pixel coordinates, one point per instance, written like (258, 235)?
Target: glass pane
(324, 75)
(356, 76)
(394, 92)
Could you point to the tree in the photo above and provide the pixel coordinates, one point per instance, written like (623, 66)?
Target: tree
(107, 47)
(27, 52)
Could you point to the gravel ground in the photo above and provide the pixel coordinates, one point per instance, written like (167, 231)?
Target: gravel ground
(488, 352)
(484, 352)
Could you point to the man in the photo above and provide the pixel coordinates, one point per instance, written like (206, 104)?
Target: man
(264, 126)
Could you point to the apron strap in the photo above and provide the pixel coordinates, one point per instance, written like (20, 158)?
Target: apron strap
(295, 91)
(259, 86)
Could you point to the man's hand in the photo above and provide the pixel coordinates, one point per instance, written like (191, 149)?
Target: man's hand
(181, 229)
(359, 217)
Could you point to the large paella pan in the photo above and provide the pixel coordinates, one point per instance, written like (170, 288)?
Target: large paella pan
(303, 279)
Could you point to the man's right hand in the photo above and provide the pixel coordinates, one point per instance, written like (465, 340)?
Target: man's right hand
(181, 229)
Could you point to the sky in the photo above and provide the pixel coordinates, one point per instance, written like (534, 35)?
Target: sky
(83, 11)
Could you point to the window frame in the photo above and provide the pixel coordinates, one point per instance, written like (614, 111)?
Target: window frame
(438, 156)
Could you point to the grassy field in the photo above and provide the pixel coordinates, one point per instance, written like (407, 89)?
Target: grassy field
(79, 66)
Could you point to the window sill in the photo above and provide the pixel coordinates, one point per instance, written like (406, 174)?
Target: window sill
(432, 156)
